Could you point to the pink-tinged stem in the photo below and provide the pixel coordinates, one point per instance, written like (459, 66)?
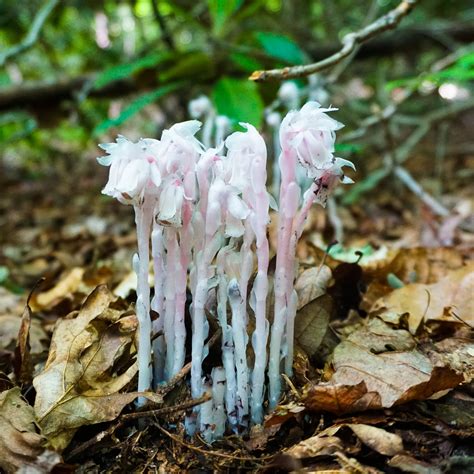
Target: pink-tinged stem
(143, 220)
(289, 200)
(298, 227)
(157, 303)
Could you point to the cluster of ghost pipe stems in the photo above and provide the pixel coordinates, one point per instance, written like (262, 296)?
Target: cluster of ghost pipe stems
(205, 213)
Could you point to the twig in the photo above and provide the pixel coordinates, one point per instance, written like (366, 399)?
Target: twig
(207, 452)
(166, 34)
(407, 179)
(349, 43)
(32, 36)
(159, 412)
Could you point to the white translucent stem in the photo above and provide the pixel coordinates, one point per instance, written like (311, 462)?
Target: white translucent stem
(172, 262)
(239, 334)
(276, 175)
(206, 416)
(181, 281)
(218, 394)
(204, 272)
(290, 325)
(207, 128)
(143, 220)
(157, 303)
(227, 341)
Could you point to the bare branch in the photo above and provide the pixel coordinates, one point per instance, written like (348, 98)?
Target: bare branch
(349, 44)
(32, 36)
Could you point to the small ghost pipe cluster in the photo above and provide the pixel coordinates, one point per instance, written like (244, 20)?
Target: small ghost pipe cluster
(206, 215)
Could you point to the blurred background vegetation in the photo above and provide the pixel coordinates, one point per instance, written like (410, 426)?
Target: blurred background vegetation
(76, 73)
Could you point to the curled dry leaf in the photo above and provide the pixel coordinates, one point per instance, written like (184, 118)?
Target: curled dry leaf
(316, 446)
(450, 299)
(21, 444)
(366, 378)
(416, 265)
(10, 327)
(82, 377)
(412, 465)
(22, 361)
(378, 439)
(67, 284)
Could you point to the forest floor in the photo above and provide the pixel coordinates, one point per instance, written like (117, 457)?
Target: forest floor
(383, 370)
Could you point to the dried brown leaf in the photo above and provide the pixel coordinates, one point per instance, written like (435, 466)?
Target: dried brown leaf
(366, 378)
(20, 441)
(67, 285)
(450, 299)
(312, 322)
(22, 361)
(378, 439)
(316, 446)
(80, 383)
(312, 283)
(412, 465)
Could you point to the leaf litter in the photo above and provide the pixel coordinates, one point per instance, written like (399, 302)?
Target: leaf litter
(383, 370)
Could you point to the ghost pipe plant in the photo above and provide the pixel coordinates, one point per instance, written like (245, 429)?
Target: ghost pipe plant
(206, 212)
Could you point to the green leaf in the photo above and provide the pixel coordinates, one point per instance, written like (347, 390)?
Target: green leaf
(220, 11)
(136, 106)
(245, 62)
(194, 64)
(281, 47)
(124, 71)
(239, 100)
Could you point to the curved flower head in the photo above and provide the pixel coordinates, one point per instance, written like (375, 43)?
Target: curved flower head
(134, 170)
(243, 149)
(179, 148)
(310, 132)
(171, 202)
(225, 207)
(330, 177)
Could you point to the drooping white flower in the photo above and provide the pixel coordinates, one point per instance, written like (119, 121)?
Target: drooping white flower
(134, 170)
(225, 207)
(310, 133)
(179, 148)
(171, 202)
(243, 149)
(328, 179)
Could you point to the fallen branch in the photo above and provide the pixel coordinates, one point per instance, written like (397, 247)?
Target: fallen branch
(33, 34)
(349, 43)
